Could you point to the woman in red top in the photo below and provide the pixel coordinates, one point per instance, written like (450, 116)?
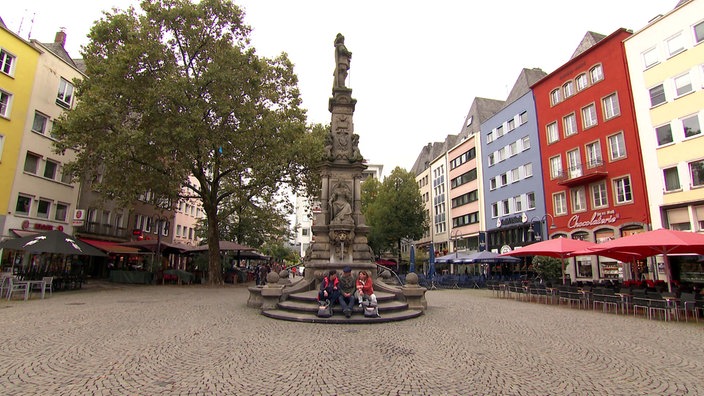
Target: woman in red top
(365, 288)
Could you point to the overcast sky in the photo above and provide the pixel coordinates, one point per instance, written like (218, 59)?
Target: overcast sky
(416, 65)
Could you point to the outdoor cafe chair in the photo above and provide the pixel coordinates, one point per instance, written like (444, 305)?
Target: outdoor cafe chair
(15, 286)
(48, 285)
(606, 298)
(688, 303)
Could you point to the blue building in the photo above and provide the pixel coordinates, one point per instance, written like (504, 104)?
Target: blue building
(514, 202)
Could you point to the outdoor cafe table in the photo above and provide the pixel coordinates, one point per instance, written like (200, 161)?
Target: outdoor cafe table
(30, 284)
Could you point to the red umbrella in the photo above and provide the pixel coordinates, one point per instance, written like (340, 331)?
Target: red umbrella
(650, 243)
(558, 247)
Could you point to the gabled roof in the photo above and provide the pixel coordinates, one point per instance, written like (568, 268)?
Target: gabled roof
(587, 42)
(430, 152)
(58, 50)
(525, 79)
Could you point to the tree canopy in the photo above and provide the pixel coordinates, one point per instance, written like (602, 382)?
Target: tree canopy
(177, 102)
(394, 210)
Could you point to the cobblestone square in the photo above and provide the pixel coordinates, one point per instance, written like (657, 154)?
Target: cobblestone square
(194, 340)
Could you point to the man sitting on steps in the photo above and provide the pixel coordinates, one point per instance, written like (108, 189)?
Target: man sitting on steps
(347, 288)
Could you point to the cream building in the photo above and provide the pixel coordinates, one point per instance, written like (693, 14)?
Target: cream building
(42, 197)
(666, 65)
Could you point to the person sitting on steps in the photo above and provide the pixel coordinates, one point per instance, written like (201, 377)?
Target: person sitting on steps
(329, 288)
(365, 289)
(347, 288)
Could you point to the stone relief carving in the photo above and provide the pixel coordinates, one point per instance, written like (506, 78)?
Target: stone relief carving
(340, 205)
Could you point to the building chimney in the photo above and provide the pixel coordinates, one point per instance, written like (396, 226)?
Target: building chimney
(60, 37)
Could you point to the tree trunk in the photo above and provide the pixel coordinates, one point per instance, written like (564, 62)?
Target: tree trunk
(398, 261)
(214, 266)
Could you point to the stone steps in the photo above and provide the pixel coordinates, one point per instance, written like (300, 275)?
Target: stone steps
(303, 307)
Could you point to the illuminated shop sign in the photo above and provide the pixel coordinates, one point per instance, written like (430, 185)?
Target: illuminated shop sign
(597, 219)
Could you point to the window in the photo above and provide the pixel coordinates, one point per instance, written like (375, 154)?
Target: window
(31, 163)
(513, 148)
(622, 188)
(506, 207)
(23, 205)
(50, 168)
(594, 154)
(696, 169)
(61, 210)
(672, 179)
(464, 178)
(599, 196)
(582, 81)
(589, 116)
(568, 89)
(617, 147)
(43, 208)
(495, 210)
(491, 159)
(650, 57)
(523, 118)
(5, 104)
(657, 95)
(7, 62)
(610, 106)
(664, 134)
(504, 179)
(675, 44)
(40, 121)
(518, 203)
(490, 137)
(569, 123)
(574, 163)
(553, 133)
(596, 73)
(499, 131)
(492, 183)
(691, 127)
(525, 143)
(683, 84)
(515, 175)
(528, 170)
(579, 199)
(559, 203)
(699, 32)
(555, 167)
(65, 95)
(530, 197)
(555, 96)
(511, 125)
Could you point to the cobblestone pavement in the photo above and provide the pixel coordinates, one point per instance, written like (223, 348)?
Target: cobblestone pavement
(195, 340)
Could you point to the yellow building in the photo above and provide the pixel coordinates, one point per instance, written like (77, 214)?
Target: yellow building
(666, 65)
(18, 65)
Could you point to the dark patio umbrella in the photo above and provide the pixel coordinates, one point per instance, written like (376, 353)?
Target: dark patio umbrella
(453, 258)
(56, 242)
(412, 260)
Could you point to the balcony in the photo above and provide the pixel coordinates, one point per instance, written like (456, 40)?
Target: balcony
(106, 230)
(582, 174)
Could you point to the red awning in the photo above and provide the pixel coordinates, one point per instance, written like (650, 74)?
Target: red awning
(110, 247)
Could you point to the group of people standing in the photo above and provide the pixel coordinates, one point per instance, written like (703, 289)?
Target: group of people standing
(347, 290)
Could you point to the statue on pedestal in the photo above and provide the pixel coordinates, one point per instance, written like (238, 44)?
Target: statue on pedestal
(342, 62)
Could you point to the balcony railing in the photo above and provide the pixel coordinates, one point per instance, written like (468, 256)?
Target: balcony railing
(582, 174)
(103, 230)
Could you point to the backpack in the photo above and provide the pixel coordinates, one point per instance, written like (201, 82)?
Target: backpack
(325, 310)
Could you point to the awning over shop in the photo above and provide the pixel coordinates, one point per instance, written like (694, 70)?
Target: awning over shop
(23, 233)
(110, 247)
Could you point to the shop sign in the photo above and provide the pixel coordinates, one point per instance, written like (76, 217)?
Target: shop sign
(509, 220)
(597, 219)
(505, 249)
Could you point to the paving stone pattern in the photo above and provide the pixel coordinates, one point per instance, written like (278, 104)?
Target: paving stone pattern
(194, 340)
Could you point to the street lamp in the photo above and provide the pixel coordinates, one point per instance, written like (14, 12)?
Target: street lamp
(455, 235)
(542, 219)
(161, 221)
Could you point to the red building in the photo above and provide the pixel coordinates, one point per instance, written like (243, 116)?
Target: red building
(592, 163)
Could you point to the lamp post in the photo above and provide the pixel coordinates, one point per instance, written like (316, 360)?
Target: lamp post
(542, 219)
(159, 219)
(455, 235)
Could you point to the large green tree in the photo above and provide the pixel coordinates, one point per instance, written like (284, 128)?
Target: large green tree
(175, 91)
(395, 212)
